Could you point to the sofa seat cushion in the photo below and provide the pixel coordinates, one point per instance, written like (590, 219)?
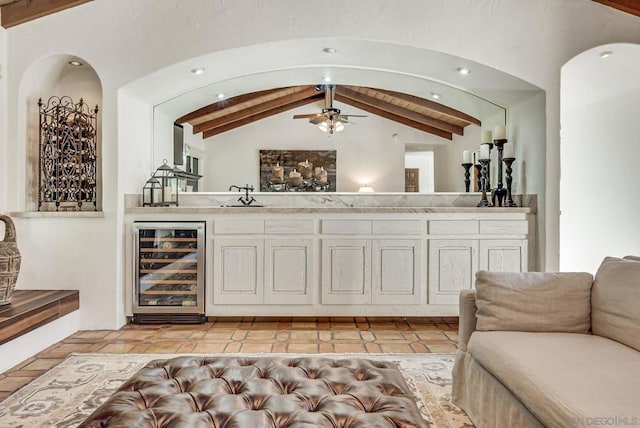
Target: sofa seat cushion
(562, 378)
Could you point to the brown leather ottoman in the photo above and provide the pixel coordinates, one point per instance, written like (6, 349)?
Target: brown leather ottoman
(236, 392)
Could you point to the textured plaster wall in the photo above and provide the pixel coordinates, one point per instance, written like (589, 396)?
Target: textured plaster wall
(126, 40)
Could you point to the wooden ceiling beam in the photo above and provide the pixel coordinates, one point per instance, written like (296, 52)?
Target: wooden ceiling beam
(264, 114)
(396, 118)
(21, 11)
(254, 110)
(629, 6)
(448, 111)
(230, 102)
(399, 111)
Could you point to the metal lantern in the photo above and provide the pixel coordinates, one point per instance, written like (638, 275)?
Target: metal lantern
(168, 180)
(151, 192)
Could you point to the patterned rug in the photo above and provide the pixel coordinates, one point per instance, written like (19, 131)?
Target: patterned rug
(65, 395)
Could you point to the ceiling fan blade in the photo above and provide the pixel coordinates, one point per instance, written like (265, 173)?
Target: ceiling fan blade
(317, 120)
(306, 116)
(343, 119)
(355, 115)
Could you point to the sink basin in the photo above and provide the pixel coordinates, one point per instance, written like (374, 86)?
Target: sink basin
(243, 206)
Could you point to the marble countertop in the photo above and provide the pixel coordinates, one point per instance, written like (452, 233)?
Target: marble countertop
(311, 210)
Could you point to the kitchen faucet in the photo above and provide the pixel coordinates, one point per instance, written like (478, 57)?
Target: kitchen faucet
(244, 200)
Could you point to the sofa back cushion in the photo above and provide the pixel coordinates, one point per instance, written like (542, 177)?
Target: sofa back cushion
(533, 301)
(615, 301)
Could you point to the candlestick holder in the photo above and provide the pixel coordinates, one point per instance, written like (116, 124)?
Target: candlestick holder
(484, 202)
(499, 193)
(478, 168)
(508, 201)
(467, 180)
(487, 185)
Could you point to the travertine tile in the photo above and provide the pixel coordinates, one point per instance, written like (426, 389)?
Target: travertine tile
(251, 335)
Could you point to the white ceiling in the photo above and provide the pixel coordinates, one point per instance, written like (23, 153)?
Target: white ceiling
(402, 68)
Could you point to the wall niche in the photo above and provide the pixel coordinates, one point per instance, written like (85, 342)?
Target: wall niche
(57, 76)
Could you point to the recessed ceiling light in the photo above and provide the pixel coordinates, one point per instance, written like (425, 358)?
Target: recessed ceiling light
(605, 54)
(464, 70)
(329, 50)
(198, 70)
(76, 63)
(435, 96)
(327, 79)
(220, 96)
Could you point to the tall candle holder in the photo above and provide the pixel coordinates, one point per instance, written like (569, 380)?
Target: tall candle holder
(487, 185)
(478, 168)
(467, 180)
(508, 201)
(484, 202)
(499, 192)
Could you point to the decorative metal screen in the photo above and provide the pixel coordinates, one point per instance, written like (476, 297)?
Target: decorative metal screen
(68, 153)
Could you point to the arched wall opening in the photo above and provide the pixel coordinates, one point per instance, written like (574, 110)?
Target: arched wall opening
(55, 75)
(600, 149)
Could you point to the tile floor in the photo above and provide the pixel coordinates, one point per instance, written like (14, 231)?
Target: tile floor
(250, 335)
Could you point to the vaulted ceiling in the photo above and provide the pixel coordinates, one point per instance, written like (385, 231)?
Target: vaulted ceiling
(16, 12)
(418, 113)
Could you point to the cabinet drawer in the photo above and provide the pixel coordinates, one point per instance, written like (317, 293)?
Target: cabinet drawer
(346, 227)
(238, 227)
(504, 227)
(454, 227)
(394, 227)
(288, 226)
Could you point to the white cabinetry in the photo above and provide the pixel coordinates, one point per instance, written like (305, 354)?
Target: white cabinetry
(346, 271)
(452, 267)
(238, 272)
(367, 268)
(288, 271)
(396, 271)
(257, 268)
(458, 248)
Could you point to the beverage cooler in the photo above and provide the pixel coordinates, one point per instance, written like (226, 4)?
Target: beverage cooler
(168, 272)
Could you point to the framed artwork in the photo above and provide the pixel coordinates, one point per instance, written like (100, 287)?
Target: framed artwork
(297, 170)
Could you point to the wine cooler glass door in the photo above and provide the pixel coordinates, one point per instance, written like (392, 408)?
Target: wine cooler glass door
(169, 267)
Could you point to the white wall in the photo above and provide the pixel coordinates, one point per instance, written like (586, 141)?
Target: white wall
(128, 40)
(4, 177)
(600, 152)
(424, 162)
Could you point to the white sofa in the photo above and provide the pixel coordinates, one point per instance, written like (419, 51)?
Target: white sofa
(551, 349)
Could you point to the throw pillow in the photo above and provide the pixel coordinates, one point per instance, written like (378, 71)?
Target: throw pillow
(616, 301)
(533, 301)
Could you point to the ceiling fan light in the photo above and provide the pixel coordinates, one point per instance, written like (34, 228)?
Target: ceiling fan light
(323, 126)
(339, 126)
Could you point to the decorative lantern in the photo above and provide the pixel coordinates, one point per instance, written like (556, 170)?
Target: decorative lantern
(151, 192)
(168, 191)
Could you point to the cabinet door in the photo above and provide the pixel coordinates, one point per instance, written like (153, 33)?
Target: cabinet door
(503, 255)
(238, 271)
(452, 267)
(288, 271)
(396, 271)
(346, 271)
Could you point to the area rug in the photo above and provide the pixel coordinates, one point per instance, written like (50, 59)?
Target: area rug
(65, 395)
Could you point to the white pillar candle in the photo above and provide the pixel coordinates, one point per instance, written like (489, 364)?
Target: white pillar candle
(486, 137)
(484, 151)
(499, 132)
(466, 156)
(476, 157)
(167, 193)
(507, 150)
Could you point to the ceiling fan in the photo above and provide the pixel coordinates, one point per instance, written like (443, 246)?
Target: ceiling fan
(329, 120)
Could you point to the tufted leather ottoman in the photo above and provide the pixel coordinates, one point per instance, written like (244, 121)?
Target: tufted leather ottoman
(236, 392)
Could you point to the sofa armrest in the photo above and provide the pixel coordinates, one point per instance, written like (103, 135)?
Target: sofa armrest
(467, 323)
